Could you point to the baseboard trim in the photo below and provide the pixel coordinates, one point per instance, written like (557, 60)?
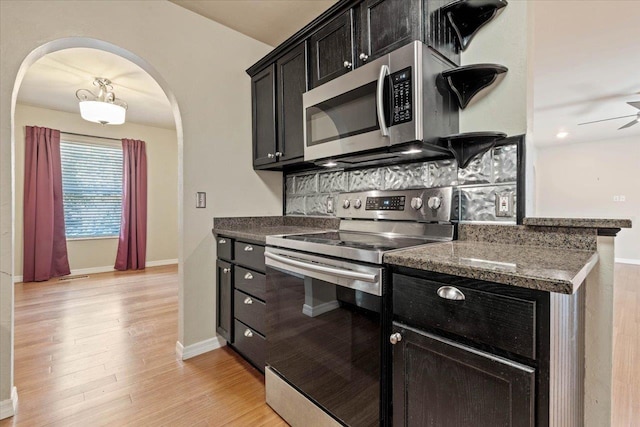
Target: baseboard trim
(8, 406)
(107, 268)
(628, 261)
(193, 350)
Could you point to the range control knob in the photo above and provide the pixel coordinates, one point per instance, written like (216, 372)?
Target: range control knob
(434, 202)
(416, 203)
(346, 204)
(357, 204)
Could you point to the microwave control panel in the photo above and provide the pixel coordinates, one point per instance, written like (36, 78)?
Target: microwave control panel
(401, 108)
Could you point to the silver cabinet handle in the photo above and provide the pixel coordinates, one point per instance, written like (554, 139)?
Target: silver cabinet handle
(270, 155)
(222, 241)
(449, 292)
(248, 276)
(248, 301)
(395, 338)
(364, 56)
(248, 248)
(226, 270)
(278, 154)
(347, 64)
(248, 333)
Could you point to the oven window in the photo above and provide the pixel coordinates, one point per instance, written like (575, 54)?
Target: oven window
(326, 341)
(348, 114)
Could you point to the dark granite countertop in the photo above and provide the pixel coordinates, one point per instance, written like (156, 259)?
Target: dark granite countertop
(256, 229)
(578, 222)
(543, 268)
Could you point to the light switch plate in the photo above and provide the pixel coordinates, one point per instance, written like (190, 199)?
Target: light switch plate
(201, 199)
(504, 204)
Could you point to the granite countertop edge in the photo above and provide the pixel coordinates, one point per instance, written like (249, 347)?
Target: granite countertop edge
(517, 279)
(578, 222)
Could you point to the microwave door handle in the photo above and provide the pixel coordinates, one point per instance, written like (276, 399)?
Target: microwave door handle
(348, 274)
(384, 72)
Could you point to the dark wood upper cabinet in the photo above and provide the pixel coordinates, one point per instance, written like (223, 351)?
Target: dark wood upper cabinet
(292, 83)
(332, 49)
(386, 25)
(263, 100)
(437, 382)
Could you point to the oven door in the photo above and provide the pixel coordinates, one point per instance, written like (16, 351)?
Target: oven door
(324, 333)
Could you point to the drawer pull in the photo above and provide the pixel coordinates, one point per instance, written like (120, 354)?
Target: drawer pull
(248, 276)
(395, 338)
(248, 301)
(248, 333)
(248, 248)
(226, 270)
(222, 241)
(449, 292)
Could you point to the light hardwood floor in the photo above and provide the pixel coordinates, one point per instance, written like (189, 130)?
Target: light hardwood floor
(100, 351)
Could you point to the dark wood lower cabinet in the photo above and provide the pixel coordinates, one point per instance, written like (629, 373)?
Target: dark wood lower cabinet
(225, 299)
(439, 383)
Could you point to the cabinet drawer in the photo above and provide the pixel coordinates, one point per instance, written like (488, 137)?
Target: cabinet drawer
(500, 321)
(249, 310)
(250, 282)
(250, 343)
(249, 255)
(224, 248)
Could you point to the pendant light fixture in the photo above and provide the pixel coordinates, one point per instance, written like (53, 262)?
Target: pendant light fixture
(103, 108)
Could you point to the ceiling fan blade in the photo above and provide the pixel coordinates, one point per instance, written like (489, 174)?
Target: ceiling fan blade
(628, 125)
(605, 120)
(635, 104)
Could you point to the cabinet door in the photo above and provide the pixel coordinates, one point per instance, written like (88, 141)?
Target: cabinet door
(439, 383)
(332, 49)
(292, 83)
(386, 25)
(263, 99)
(225, 300)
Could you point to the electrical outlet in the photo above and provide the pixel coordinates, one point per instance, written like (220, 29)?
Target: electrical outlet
(616, 198)
(504, 204)
(622, 198)
(330, 205)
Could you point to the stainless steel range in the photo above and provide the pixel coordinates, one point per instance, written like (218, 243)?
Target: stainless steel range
(327, 311)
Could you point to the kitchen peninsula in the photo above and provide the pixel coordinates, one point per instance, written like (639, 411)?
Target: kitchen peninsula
(561, 262)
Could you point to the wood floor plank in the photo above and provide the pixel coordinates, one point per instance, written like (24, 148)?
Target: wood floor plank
(100, 351)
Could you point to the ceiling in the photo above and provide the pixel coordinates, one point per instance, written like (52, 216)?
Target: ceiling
(53, 80)
(270, 21)
(586, 67)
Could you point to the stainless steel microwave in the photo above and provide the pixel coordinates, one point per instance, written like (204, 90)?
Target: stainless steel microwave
(391, 102)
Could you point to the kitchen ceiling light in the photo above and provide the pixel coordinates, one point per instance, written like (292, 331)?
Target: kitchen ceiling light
(103, 108)
(562, 135)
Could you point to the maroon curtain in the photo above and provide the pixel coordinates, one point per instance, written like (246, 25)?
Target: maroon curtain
(45, 243)
(132, 245)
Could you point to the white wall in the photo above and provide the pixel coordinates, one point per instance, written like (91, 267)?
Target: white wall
(162, 197)
(200, 64)
(580, 180)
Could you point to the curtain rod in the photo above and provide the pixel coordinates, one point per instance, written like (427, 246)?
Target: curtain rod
(90, 136)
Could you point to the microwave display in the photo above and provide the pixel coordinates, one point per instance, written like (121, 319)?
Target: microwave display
(402, 97)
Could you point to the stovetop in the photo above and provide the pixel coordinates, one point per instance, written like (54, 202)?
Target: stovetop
(375, 222)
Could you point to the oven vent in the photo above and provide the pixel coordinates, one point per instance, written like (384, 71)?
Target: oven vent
(81, 276)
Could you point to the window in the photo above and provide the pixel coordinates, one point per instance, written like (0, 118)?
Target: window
(92, 189)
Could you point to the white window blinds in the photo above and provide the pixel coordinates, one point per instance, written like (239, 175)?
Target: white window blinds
(92, 189)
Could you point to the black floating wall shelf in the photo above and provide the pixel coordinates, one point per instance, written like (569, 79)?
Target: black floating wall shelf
(465, 146)
(468, 16)
(467, 81)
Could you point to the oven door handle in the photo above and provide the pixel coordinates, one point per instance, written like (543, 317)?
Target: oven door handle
(384, 72)
(347, 274)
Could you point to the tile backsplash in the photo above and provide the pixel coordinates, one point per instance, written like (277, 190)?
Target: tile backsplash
(475, 187)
